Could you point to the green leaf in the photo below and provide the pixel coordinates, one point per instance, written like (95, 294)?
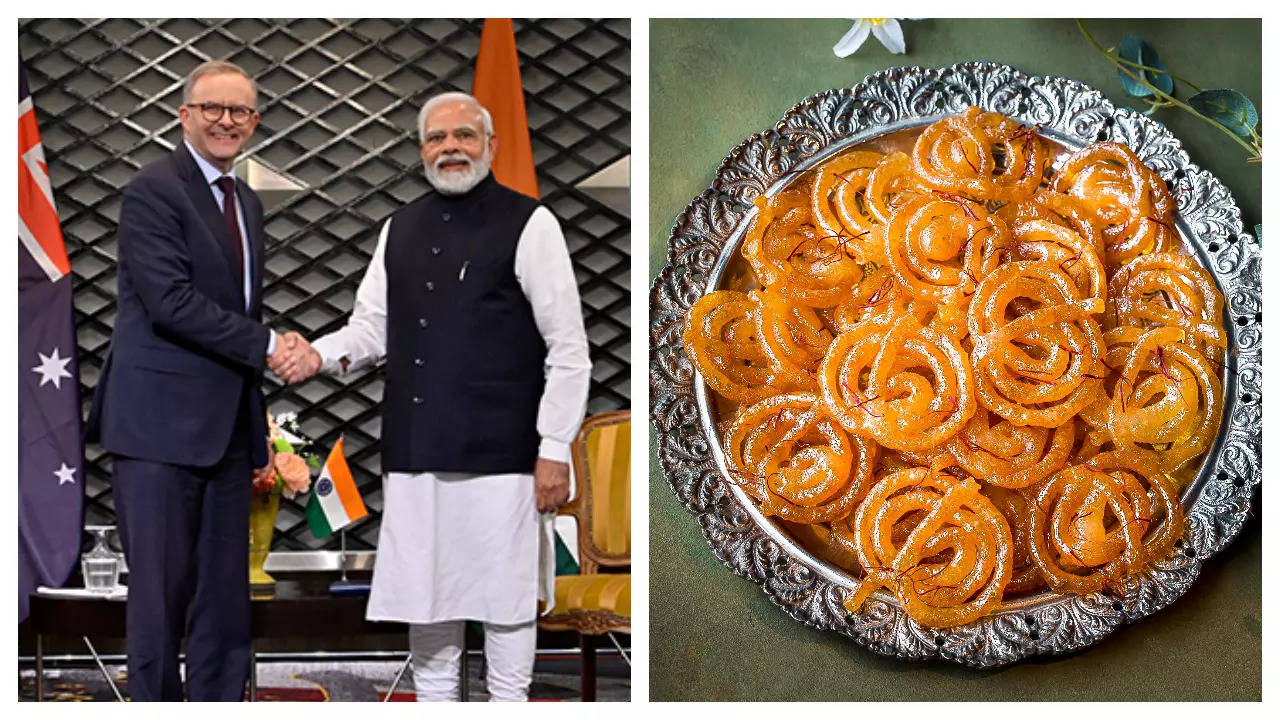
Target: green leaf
(1257, 232)
(1227, 106)
(1136, 50)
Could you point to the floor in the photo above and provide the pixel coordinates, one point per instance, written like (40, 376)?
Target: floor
(329, 681)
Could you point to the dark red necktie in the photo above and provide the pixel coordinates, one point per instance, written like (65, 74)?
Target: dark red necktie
(228, 187)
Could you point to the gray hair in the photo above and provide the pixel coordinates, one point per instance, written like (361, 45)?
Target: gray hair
(436, 100)
(215, 67)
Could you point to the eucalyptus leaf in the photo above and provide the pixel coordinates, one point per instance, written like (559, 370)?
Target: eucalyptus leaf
(1229, 107)
(1159, 79)
(1136, 50)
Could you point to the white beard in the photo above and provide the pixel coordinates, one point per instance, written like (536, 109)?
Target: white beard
(457, 182)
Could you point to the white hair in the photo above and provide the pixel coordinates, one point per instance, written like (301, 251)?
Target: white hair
(216, 67)
(436, 100)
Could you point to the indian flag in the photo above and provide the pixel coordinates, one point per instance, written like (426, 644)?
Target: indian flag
(335, 501)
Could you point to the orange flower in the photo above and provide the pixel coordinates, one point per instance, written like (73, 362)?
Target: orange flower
(294, 472)
(264, 485)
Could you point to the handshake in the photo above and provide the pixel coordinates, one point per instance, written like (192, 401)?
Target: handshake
(294, 359)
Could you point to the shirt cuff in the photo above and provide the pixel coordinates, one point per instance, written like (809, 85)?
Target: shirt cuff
(271, 342)
(554, 450)
(330, 362)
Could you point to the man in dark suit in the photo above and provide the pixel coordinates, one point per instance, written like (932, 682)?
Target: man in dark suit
(179, 404)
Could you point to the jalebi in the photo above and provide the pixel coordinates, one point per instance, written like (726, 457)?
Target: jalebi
(1059, 209)
(1093, 525)
(984, 155)
(890, 184)
(1126, 199)
(840, 207)
(798, 462)
(792, 256)
(879, 295)
(1168, 289)
(1041, 368)
(942, 548)
(1166, 395)
(905, 386)
(1073, 254)
(1015, 505)
(1008, 455)
(793, 337)
(722, 338)
(930, 247)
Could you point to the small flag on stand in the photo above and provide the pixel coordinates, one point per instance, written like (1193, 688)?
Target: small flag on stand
(50, 451)
(497, 86)
(335, 502)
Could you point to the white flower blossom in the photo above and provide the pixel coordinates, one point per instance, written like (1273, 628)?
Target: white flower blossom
(886, 30)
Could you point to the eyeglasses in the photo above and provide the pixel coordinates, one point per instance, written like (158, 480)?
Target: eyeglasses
(212, 112)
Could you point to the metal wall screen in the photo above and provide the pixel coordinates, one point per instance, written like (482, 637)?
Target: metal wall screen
(339, 102)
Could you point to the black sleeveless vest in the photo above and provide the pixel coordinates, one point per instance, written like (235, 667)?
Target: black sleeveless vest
(464, 355)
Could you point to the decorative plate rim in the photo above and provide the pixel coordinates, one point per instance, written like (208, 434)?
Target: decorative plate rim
(1218, 502)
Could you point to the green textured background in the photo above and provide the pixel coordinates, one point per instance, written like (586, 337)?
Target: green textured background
(715, 636)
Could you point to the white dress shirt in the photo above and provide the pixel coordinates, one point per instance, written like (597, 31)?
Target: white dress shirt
(211, 176)
(545, 274)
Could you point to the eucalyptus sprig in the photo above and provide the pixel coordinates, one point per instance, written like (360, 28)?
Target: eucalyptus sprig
(1144, 76)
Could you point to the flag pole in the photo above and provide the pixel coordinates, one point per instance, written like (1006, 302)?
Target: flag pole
(342, 554)
(345, 586)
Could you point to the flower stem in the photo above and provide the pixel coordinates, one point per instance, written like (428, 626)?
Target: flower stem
(1140, 66)
(1254, 150)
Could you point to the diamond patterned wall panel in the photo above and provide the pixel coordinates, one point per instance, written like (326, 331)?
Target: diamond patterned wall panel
(339, 102)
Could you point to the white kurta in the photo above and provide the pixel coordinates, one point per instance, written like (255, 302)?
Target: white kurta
(456, 546)
(459, 545)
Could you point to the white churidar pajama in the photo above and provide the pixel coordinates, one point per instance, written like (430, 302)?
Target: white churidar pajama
(461, 546)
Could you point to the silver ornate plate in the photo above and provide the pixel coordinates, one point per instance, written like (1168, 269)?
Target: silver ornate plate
(705, 237)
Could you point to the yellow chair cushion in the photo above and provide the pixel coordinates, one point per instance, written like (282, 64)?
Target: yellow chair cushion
(610, 593)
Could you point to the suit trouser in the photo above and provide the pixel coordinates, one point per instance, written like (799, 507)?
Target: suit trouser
(437, 653)
(185, 532)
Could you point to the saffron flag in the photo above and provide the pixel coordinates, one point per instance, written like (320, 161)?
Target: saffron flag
(497, 86)
(335, 502)
(50, 451)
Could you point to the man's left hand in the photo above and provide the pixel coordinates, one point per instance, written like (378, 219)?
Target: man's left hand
(551, 484)
(264, 477)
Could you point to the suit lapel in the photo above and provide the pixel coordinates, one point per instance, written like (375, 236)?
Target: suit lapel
(201, 195)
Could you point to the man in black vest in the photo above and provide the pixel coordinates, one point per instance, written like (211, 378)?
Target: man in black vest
(471, 299)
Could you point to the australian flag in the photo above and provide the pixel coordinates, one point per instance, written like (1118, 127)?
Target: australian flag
(50, 451)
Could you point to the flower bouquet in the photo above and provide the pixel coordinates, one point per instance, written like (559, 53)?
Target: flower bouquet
(294, 459)
(292, 464)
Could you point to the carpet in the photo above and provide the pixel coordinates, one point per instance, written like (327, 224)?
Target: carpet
(330, 681)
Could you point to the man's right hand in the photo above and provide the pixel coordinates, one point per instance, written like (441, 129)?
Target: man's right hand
(294, 359)
(550, 484)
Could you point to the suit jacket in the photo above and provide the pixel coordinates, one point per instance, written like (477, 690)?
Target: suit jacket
(184, 372)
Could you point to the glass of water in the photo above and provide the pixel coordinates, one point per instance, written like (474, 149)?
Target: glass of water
(100, 566)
